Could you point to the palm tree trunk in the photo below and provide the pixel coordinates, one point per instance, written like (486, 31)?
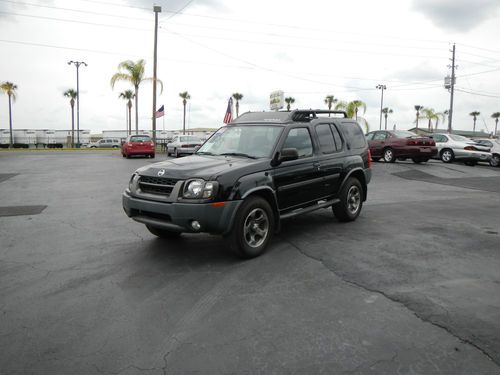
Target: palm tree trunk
(385, 121)
(136, 109)
(474, 127)
(184, 121)
(10, 122)
(237, 108)
(496, 126)
(73, 125)
(129, 117)
(417, 122)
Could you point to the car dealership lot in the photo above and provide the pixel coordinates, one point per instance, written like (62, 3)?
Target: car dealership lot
(411, 287)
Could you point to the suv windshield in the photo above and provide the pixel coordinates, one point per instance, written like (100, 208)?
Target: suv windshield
(252, 140)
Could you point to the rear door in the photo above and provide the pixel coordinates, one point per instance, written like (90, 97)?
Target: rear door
(377, 143)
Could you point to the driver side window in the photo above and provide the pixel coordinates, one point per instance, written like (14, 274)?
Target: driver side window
(300, 139)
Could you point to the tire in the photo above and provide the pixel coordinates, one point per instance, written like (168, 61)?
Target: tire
(447, 155)
(351, 201)
(495, 161)
(417, 160)
(253, 228)
(127, 156)
(176, 153)
(115, 147)
(388, 155)
(152, 156)
(168, 152)
(123, 155)
(163, 233)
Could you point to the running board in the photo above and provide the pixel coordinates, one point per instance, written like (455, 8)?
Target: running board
(303, 210)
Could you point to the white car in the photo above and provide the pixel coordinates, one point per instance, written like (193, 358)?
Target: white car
(494, 145)
(183, 145)
(455, 147)
(106, 143)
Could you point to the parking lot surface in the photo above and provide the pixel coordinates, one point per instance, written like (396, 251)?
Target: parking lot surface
(411, 287)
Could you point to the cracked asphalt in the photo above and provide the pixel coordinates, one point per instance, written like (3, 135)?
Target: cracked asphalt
(411, 287)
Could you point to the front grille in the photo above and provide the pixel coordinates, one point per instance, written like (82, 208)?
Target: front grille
(157, 185)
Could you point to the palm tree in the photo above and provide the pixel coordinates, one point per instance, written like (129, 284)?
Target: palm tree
(474, 115)
(496, 115)
(185, 97)
(10, 89)
(352, 109)
(134, 74)
(386, 112)
(430, 115)
(128, 95)
(237, 96)
(289, 101)
(72, 94)
(329, 101)
(418, 108)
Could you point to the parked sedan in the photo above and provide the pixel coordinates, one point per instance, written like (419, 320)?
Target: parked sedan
(494, 145)
(455, 147)
(183, 145)
(400, 144)
(138, 145)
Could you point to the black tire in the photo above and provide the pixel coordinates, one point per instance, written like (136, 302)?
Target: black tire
(388, 155)
(253, 228)
(351, 201)
(127, 156)
(168, 152)
(495, 160)
(152, 156)
(447, 155)
(123, 155)
(163, 233)
(115, 147)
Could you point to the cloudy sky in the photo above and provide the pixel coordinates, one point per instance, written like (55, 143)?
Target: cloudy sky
(215, 48)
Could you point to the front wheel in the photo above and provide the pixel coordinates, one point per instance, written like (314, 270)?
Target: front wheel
(495, 161)
(163, 233)
(253, 228)
(389, 156)
(351, 201)
(447, 156)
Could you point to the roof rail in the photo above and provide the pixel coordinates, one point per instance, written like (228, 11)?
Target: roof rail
(307, 115)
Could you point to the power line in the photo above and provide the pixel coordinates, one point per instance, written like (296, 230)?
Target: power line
(477, 93)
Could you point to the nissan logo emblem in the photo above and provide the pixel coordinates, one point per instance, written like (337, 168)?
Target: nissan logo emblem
(161, 172)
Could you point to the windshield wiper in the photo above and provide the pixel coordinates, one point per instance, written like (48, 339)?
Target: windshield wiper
(238, 154)
(204, 153)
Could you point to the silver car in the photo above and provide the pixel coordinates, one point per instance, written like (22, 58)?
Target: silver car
(455, 147)
(494, 145)
(183, 145)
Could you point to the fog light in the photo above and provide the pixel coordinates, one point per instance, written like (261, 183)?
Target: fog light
(195, 225)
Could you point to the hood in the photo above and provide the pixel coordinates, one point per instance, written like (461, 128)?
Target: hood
(199, 166)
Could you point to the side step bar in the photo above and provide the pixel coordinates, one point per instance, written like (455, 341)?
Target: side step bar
(314, 207)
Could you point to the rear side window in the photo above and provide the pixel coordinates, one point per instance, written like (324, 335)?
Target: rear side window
(354, 134)
(337, 137)
(326, 141)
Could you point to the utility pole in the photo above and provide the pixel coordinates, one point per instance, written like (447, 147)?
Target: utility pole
(452, 88)
(382, 88)
(77, 64)
(156, 9)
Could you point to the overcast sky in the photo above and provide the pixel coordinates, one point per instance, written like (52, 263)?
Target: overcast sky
(215, 48)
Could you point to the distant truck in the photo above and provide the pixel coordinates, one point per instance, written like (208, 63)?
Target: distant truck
(41, 138)
(21, 138)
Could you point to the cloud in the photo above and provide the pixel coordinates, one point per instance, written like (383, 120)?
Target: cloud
(457, 15)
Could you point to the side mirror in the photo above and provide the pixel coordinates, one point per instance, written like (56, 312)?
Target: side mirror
(286, 154)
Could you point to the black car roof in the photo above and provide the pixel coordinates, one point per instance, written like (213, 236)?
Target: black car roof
(285, 117)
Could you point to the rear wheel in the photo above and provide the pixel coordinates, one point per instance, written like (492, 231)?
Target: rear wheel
(253, 228)
(389, 156)
(152, 156)
(163, 233)
(351, 201)
(447, 155)
(495, 161)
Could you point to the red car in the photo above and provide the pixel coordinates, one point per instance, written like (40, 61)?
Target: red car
(138, 145)
(400, 144)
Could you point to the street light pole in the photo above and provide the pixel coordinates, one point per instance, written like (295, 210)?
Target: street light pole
(156, 9)
(77, 64)
(382, 88)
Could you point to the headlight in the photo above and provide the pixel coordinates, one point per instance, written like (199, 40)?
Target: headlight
(132, 182)
(195, 189)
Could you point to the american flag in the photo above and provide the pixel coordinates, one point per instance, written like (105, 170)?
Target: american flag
(160, 112)
(229, 112)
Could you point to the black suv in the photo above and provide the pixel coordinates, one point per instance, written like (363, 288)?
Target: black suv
(250, 174)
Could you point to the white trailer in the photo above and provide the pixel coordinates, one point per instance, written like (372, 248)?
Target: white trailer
(24, 138)
(45, 137)
(62, 138)
(4, 138)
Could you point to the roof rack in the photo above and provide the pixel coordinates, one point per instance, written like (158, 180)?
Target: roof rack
(297, 115)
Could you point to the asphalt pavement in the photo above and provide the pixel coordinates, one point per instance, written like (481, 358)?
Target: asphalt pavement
(411, 287)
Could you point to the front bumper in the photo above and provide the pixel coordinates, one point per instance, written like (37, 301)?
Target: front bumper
(213, 218)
